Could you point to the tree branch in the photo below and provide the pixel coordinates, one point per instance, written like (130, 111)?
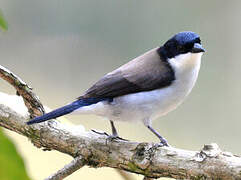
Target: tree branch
(97, 150)
(32, 101)
(147, 178)
(125, 175)
(68, 169)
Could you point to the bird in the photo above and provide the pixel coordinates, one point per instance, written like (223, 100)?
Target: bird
(144, 89)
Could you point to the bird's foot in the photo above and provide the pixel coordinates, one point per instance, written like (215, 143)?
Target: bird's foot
(164, 143)
(100, 133)
(109, 137)
(115, 137)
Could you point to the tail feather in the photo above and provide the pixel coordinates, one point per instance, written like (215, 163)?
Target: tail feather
(65, 109)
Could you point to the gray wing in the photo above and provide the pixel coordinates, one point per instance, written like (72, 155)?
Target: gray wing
(145, 73)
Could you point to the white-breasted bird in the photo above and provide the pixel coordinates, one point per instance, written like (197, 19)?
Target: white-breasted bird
(145, 88)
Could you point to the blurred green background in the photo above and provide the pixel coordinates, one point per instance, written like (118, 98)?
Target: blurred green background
(62, 47)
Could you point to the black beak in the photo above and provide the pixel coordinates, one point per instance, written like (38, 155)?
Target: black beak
(197, 48)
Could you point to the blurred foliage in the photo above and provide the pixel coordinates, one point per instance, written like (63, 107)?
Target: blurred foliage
(3, 22)
(11, 164)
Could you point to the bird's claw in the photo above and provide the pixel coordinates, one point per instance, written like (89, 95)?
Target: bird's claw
(115, 137)
(164, 143)
(109, 137)
(100, 133)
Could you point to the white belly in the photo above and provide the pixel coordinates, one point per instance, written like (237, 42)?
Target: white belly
(146, 106)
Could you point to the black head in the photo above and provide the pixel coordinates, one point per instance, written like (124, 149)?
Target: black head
(181, 43)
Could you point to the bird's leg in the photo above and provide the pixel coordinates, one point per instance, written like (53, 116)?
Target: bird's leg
(162, 139)
(114, 131)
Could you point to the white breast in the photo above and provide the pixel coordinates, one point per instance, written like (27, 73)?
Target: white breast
(186, 68)
(145, 106)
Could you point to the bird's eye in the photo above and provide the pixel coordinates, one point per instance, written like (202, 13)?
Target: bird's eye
(198, 40)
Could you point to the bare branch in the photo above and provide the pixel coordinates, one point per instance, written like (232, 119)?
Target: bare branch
(32, 101)
(143, 158)
(70, 168)
(125, 175)
(147, 178)
(97, 150)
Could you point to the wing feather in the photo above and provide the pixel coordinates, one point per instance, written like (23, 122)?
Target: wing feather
(144, 73)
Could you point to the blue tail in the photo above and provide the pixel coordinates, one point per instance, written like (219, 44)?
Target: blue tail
(66, 109)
